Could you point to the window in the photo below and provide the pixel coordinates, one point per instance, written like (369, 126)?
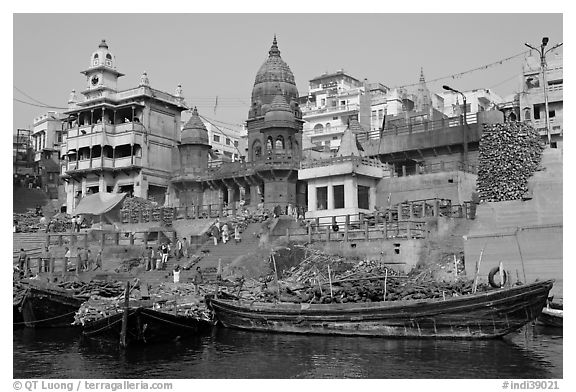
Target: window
(323, 102)
(279, 143)
(327, 127)
(235, 143)
(318, 128)
(552, 113)
(380, 114)
(338, 196)
(363, 197)
(342, 103)
(321, 197)
(536, 112)
(227, 141)
(373, 115)
(216, 138)
(335, 118)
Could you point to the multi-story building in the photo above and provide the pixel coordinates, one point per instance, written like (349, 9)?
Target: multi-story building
(532, 103)
(477, 100)
(47, 138)
(119, 141)
(332, 100)
(22, 153)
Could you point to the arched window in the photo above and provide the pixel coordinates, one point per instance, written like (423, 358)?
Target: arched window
(328, 127)
(279, 143)
(95, 56)
(108, 56)
(256, 150)
(269, 143)
(318, 128)
(527, 114)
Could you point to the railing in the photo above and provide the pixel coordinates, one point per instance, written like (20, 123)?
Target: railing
(366, 231)
(340, 159)
(163, 215)
(331, 109)
(440, 167)
(419, 126)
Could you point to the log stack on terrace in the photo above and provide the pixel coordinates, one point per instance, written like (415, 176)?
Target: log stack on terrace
(509, 154)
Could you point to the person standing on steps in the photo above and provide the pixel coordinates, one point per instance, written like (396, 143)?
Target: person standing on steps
(225, 233)
(165, 248)
(185, 247)
(176, 273)
(237, 237)
(215, 231)
(179, 250)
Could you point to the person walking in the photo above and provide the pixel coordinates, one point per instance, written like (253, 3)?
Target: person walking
(89, 260)
(98, 260)
(23, 261)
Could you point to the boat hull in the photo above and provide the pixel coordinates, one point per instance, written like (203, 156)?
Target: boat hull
(49, 308)
(145, 326)
(551, 317)
(481, 316)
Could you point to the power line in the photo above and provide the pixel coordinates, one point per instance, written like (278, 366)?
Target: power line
(40, 106)
(28, 96)
(221, 132)
(456, 75)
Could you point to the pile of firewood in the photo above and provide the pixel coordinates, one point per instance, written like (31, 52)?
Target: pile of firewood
(98, 288)
(173, 298)
(509, 154)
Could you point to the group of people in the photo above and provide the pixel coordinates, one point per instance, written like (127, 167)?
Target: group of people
(222, 232)
(84, 258)
(156, 260)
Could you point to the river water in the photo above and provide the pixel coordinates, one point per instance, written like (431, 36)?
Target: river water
(534, 352)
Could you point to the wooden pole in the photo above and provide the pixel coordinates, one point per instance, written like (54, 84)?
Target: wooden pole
(385, 282)
(330, 281)
(501, 274)
(521, 258)
(276, 274)
(125, 315)
(455, 268)
(475, 285)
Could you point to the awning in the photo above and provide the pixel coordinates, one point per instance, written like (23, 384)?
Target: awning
(98, 203)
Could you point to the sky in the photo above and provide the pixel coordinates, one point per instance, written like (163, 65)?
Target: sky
(218, 55)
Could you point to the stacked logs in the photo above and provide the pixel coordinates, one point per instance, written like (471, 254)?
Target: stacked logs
(509, 154)
(175, 299)
(98, 288)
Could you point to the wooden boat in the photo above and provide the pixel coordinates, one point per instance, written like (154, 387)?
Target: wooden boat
(146, 326)
(552, 315)
(49, 306)
(479, 316)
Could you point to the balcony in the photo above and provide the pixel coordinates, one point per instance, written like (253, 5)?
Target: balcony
(100, 163)
(331, 110)
(125, 162)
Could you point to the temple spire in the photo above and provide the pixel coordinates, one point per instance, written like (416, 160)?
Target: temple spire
(274, 51)
(422, 80)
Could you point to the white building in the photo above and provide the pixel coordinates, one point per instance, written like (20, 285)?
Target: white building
(332, 100)
(532, 106)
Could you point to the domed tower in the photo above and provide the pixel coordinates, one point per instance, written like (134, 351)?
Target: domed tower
(280, 130)
(193, 151)
(101, 74)
(273, 78)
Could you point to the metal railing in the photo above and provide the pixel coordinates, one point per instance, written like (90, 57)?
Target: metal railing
(393, 128)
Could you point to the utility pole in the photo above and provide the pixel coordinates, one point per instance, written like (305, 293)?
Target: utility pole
(464, 126)
(543, 67)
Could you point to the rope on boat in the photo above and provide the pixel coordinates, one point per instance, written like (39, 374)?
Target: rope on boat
(46, 319)
(172, 322)
(107, 325)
